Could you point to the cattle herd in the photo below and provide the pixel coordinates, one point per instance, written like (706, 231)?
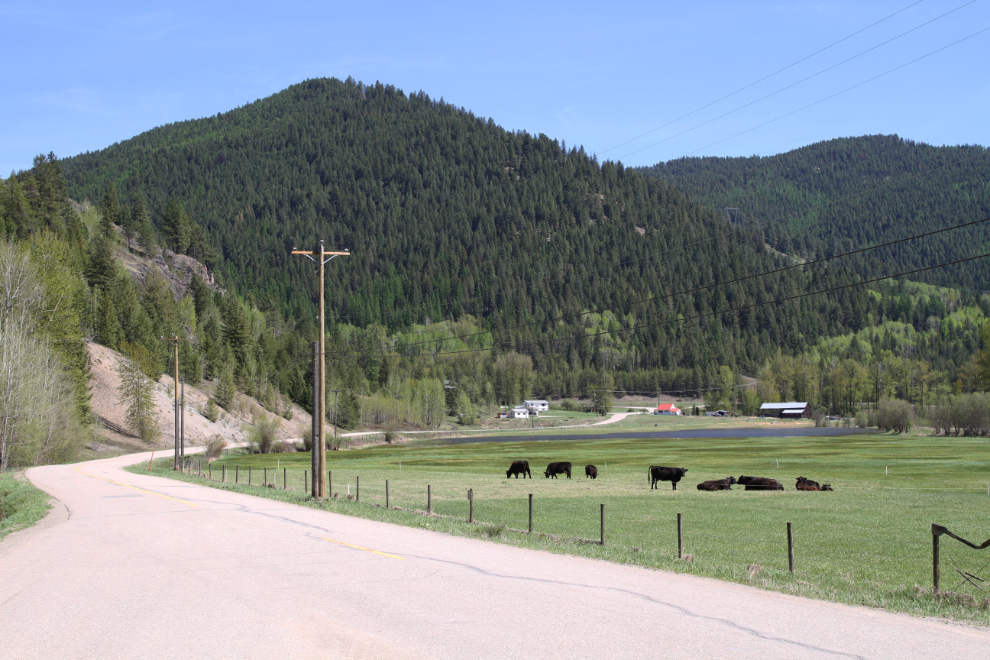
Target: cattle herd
(658, 473)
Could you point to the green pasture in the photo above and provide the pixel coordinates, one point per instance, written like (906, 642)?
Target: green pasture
(868, 542)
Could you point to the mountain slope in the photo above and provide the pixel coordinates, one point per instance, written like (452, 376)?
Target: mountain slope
(848, 193)
(448, 214)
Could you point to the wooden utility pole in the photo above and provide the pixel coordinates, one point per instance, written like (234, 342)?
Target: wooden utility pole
(178, 422)
(320, 490)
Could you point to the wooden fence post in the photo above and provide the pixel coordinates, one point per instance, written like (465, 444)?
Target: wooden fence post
(935, 566)
(285, 478)
(223, 474)
(329, 483)
(305, 481)
(266, 475)
(209, 470)
(790, 547)
(680, 536)
(530, 513)
(237, 474)
(602, 542)
(470, 505)
(357, 489)
(429, 499)
(199, 466)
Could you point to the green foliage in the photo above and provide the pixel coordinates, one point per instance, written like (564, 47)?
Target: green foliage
(137, 393)
(211, 411)
(21, 504)
(263, 433)
(225, 390)
(176, 227)
(110, 209)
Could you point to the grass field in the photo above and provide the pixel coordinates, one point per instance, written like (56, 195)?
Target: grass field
(21, 504)
(869, 542)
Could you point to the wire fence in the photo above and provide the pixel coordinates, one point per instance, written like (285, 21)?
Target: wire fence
(808, 549)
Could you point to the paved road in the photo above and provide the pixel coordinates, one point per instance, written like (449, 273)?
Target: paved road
(135, 566)
(740, 432)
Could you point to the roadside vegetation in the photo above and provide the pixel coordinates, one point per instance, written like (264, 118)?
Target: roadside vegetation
(21, 504)
(867, 543)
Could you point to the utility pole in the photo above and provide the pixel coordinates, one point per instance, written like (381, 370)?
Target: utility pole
(320, 253)
(178, 422)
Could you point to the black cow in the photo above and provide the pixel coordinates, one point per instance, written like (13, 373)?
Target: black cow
(807, 484)
(827, 487)
(760, 483)
(671, 474)
(590, 471)
(717, 484)
(517, 468)
(558, 468)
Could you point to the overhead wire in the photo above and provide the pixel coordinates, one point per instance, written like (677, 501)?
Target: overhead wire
(802, 80)
(766, 77)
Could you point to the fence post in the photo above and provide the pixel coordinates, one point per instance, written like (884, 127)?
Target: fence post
(530, 513)
(357, 489)
(250, 471)
(199, 466)
(935, 567)
(305, 481)
(386, 493)
(329, 483)
(602, 542)
(790, 547)
(266, 475)
(285, 480)
(680, 536)
(237, 474)
(223, 474)
(209, 469)
(429, 499)
(470, 505)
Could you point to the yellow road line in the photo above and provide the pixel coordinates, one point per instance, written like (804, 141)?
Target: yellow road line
(357, 547)
(134, 487)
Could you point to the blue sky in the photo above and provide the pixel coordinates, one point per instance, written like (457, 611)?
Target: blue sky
(79, 76)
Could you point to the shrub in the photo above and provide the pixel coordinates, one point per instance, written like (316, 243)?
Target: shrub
(894, 415)
(281, 447)
(210, 411)
(262, 434)
(862, 420)
(390, 436)
(214, 447)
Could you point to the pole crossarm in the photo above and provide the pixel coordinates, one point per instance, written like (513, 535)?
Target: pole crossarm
(938, 530)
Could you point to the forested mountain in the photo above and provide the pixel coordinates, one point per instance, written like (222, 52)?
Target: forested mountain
(848, 193)
(448, 214)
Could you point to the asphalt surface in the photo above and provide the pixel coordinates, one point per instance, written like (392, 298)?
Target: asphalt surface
(684, 434)
(134, 566)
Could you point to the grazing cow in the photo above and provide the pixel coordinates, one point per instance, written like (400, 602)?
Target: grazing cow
(658, 473)
(807, 484)
(760, 483)
(558, 468)
(590, 471)
(517, 468)
(717, 484)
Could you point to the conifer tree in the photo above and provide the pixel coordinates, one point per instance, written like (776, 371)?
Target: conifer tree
(176, 226)
(111, 211)
(225, 390)
(136, 392)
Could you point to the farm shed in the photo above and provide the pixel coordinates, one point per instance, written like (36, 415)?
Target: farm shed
(787, 409)
(668, 409)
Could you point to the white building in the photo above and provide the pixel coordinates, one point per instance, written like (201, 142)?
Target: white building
(536, 405)
(518, 413)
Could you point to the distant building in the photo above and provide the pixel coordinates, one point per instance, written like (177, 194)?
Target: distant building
(788, 409)
(668, 409)
(518, 413)
(536, 405)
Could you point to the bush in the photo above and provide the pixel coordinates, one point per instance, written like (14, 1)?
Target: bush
(894, 415)
(210, 411)
(262, 434)
(862, 420)
(214, 447)
(281, 447)
(390, 436)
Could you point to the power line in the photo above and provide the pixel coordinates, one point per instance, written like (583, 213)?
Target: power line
(756, 82)
(795, 84)
(717, 284)
(832, 96)
(687, 318)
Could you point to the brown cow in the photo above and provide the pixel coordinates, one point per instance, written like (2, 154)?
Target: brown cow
(717, 484)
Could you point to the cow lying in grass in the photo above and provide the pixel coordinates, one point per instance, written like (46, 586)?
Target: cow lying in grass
(809, 485)
(760, 483)
(717, 484)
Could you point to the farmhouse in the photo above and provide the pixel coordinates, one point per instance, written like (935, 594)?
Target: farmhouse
(668, 409)
(518, 413)
(788, 409)
(536, 405)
